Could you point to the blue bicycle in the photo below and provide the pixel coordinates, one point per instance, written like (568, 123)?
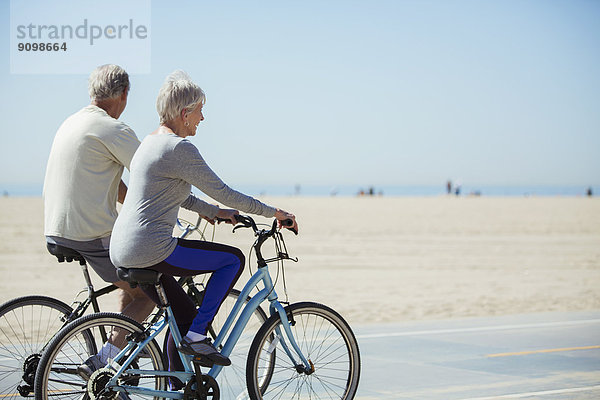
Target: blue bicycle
(302, 351)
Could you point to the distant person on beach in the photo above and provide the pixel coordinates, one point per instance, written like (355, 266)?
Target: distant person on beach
(83, 184)
(589, 192)
(457, 188)
(449, 187)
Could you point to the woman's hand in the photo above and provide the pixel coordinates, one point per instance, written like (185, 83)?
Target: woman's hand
(228, 214)
(282, 215)
(207, 219)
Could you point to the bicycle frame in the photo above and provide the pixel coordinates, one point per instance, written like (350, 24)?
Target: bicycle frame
(92, 296)
(156, 329)
(267, 293)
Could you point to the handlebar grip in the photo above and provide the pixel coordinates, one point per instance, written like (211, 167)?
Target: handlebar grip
(288, 223)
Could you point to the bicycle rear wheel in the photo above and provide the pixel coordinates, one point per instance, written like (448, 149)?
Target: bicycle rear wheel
(324, 338)
(26, 326)
(72, 346)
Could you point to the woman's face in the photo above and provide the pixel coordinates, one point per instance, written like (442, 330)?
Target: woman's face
(193, 118)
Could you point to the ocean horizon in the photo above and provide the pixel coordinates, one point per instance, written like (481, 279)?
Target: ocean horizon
(348, 190)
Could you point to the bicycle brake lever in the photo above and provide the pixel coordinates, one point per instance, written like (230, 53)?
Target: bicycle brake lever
(238, 226)
(244, 222)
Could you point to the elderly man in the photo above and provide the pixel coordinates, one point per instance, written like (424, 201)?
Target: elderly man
(83, 184)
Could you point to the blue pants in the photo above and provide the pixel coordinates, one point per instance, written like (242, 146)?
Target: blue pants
(193, 257)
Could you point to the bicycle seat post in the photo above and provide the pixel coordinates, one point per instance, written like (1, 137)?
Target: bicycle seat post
(88, 279)
(162, 296)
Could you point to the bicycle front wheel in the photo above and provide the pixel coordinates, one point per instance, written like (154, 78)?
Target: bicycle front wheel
(57, 371)
(26, 326)
(324, 338)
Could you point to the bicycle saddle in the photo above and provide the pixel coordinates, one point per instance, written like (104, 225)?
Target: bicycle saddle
(64, 253)
(138, 276)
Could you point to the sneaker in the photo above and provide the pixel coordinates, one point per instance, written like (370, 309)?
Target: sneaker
(89, 366)
(204, 352)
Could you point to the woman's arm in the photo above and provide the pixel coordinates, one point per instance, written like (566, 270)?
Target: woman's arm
(194, 170)
(203, 208)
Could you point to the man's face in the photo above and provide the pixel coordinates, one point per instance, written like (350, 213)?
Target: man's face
(123, 101)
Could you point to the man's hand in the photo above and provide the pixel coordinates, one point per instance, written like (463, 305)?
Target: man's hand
(122, 192)
(228, 214)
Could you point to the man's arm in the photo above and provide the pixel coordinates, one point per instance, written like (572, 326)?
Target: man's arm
(122, 192)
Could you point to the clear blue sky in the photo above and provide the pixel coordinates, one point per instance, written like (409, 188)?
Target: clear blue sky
(355, 92)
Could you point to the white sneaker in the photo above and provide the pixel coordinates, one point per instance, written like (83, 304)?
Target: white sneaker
(89, 366)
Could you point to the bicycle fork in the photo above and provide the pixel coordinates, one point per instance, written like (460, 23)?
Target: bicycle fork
(267, 293)
(305, 365)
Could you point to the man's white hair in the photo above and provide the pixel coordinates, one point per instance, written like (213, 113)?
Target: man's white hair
(178, 93)
(107, 81)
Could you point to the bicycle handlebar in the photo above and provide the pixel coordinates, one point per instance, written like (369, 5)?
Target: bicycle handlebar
(246, 221)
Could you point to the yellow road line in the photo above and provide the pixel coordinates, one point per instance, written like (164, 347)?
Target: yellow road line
(50, 392)
(523, 353)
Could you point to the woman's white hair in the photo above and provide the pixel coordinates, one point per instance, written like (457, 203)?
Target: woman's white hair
(107, 81)
(176, 94)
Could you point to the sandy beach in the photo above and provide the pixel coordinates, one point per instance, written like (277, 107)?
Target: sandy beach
(383, 259)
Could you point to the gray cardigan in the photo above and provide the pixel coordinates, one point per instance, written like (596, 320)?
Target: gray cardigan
(162, 171)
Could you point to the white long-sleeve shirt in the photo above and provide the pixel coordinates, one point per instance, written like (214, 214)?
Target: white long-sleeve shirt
(84, 169)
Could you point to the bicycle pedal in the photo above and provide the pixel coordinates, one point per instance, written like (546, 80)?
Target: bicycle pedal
(202, 362)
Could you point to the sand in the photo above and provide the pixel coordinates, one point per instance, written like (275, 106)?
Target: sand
(383, 259)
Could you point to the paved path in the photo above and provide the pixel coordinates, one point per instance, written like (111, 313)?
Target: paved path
(539, 356)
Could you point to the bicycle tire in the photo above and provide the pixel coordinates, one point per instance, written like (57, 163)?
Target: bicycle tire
(57, 370)
(232, 379)
(325, 339)
(27, 324)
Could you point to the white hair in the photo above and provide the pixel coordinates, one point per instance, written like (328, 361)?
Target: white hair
(107, 81)
(178, 93)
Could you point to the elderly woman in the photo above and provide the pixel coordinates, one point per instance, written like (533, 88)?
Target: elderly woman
(162, 171)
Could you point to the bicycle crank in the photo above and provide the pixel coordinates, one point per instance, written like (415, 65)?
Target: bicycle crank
(205, 388)
(96, 386)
